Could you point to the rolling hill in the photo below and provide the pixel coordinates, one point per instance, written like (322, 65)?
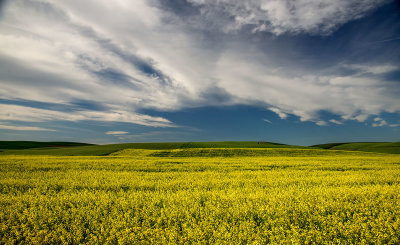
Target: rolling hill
(381, 147)
(18, 145)
(83, 149)
(102, 150)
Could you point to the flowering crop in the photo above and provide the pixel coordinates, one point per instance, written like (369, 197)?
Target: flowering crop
(201, 196)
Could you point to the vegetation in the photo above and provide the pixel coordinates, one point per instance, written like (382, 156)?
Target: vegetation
(35, 144)
(82, 149)
(201, 196)
(383, 147)
(103, 150)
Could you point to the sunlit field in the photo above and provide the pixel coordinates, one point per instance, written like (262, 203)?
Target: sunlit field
(201, 196)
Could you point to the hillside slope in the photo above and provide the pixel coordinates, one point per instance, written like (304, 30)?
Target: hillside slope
(18, 145)
(103, 150)
(381, 147)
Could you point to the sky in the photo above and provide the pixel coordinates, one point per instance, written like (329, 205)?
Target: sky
(297, 72)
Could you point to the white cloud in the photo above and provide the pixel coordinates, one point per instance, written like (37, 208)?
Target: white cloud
(280, 113)
(82, 39)
(23, 128)
(336, 121)
(379, 122)
(105, 52)
(353, 97)
(321, 123)
(356, 116)
(375, 69)
(116, 132)
(267, 121)
(277, 16)
(29, 114)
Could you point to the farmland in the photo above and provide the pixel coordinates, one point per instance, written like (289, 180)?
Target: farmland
(382, 147)
(194, 195)
(103, 150)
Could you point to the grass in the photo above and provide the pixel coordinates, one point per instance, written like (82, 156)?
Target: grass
(240, 152)
(82, 149)
(382, 147)
(189, 195)
(103, 150)
(35, 144)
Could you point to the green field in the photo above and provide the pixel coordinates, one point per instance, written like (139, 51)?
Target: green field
(188, 194)
(82, 149)
(18, 145)
(103, 150)
(382, 147)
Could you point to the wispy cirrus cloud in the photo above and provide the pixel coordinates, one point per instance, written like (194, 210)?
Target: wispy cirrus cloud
(278, 17)
(29, 114)
(128, 56)
(23, 128)
(336, 121)
(267, 121)
(117, 133)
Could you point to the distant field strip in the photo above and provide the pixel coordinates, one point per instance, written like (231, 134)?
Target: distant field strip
(383, 147)
(238, 152)
(201, 196)
(104, 150)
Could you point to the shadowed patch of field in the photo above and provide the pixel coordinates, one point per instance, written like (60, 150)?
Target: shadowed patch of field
(15, 145)
(239, 152)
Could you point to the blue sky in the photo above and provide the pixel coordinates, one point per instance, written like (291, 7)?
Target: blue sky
(296, 72)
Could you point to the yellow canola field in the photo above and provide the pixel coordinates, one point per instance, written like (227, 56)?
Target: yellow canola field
(201, 196)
